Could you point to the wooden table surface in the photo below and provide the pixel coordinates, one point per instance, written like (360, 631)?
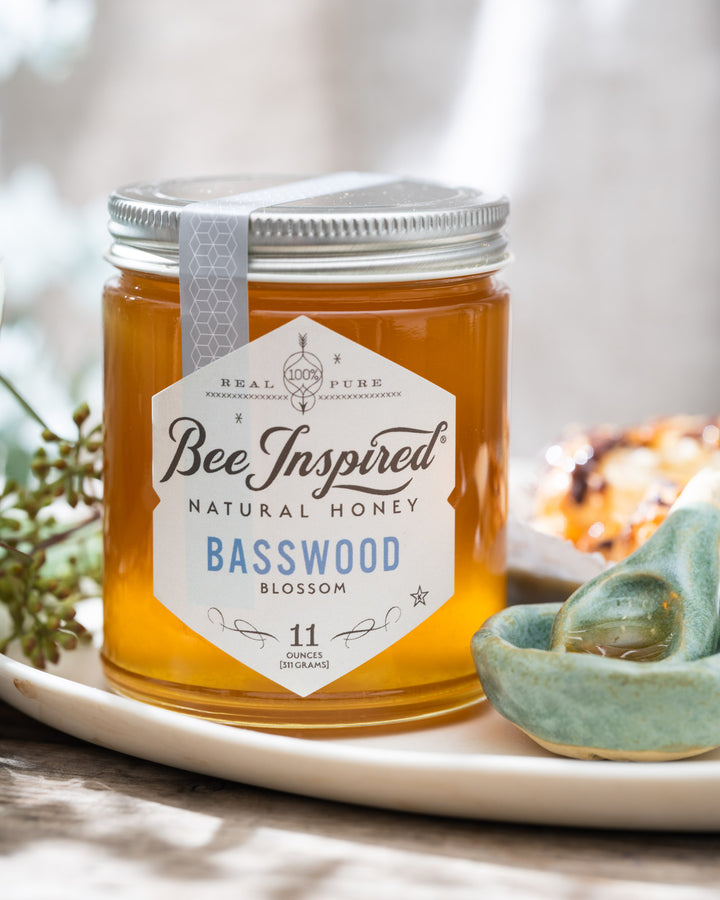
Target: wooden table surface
(79, 821)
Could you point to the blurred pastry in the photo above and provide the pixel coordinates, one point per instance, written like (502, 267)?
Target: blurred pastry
(607, 489)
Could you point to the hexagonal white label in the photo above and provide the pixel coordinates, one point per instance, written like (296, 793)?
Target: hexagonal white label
(303, 524)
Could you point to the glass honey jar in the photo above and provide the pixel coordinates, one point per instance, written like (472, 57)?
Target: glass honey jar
(305, 446)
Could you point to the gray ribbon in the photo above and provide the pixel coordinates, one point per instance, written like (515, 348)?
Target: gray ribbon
(214, 262)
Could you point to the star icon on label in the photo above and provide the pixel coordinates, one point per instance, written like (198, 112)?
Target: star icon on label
(419, 596)
(336, 358)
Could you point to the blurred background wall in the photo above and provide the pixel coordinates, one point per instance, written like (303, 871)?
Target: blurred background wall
(598, 117)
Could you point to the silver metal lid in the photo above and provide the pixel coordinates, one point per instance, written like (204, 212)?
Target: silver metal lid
(404, 229)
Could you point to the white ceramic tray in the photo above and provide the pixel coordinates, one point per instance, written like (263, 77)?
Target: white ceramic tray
(475, 765)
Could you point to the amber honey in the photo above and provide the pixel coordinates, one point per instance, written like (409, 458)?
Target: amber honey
(451, 331)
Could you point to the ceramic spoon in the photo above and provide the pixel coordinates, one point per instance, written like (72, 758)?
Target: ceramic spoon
(626, 668)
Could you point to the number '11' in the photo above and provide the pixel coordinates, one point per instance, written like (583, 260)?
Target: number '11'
(297, 642)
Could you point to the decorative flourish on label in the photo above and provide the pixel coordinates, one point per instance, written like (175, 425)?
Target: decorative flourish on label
(225, 395)
(367, 626)
(384, 395)
(303, 377)
(249, 631)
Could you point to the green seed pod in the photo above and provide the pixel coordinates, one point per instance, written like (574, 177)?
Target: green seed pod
(40, 468)
(53, 653)
(67, 641)
(81, 414)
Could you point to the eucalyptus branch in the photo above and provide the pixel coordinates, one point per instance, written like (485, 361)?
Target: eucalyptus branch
(14, 551)
(44, 562)
(10, 387)
(63, 536)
